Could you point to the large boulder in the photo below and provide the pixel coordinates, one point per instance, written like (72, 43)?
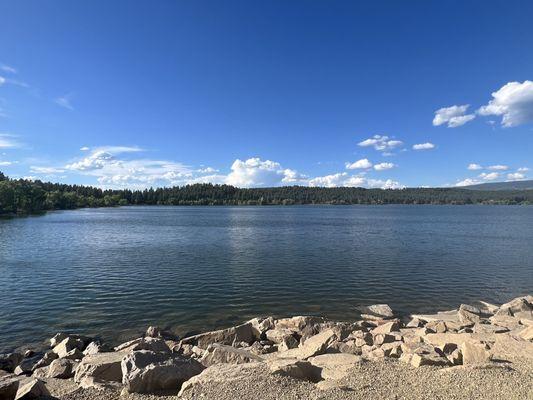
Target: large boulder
(279, 335)
(62, 368)
(313, 346)
(149, 372)
(235, 334)
(474, 353)
(298, 323)
(386, 328)
(98, 370)
(9, 361)
(521, 307)
(335, 366)
(96, 347)
(376, 311)
(69, 347)
(34, 389)
(260, 326)
(222, 373)
(46, 360)
(220, 353)
(9, 385)
(295, 368)
(146, 343)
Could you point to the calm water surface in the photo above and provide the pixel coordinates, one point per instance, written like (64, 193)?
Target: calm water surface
(112, 272)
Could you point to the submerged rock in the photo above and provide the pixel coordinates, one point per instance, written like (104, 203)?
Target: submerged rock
(377, 311)
(9, 361)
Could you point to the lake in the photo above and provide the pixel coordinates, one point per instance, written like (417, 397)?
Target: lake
(112, 272)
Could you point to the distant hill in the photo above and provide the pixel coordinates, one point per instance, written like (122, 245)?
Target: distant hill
(515, 185)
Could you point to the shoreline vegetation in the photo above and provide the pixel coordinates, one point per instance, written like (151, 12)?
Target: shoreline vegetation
(475, 351)
(24, 197)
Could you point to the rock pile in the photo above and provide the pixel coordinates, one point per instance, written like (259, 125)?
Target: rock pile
(303, 347)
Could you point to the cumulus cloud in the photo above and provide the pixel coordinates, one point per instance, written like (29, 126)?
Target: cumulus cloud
(5, 163)
(523, 169)
(489, 176)
(498, 168)
(360, 164)
(467, 182)
(513, 102)
(256, 172)
(343, 179)
(453, 116)
(381, 143)
(474, 167)
(383, 166)
(517, 176)
(423, 146)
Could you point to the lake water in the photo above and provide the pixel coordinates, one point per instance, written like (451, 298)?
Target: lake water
(112, 272)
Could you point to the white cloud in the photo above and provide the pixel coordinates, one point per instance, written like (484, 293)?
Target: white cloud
(474, 167)
(101, 157)
(516, 176)
(514, 102)
(467, 182)
(490, 176)
(84, 148)
(523, 169)
(2, 80)
(424, 146)
(381, 143)
(384, 184)
(46, 170)
(5, 163)
(8, 141)
(255, 172)
(383, 166)
(65, 102)
(8, 69)
(360, 164)
(498, 168)
(453, 116)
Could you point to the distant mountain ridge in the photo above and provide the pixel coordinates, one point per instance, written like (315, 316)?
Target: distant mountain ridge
(514, 185)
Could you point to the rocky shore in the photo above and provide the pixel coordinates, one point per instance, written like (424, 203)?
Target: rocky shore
(476, 351)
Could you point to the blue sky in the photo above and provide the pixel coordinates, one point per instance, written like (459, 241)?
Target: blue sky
(265, 93)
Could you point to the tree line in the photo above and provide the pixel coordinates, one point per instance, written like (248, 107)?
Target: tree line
(21, 196)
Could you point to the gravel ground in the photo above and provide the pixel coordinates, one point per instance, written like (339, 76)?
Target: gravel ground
(386, 379)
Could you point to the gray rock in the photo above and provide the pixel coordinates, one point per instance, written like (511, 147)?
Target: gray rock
(67, 345)
(469, 308)
(99, 369)
(240, 333)
(219, 353)
(313, 346)
(521, 305)
(279, 335)
(149, 372)
(260, 326)
(35, 389)
(295, 368)
(62, 368)
(377, 311)
(47, 358)
(9, 361)
(9, 385)
(147, 343)
(96, 347)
